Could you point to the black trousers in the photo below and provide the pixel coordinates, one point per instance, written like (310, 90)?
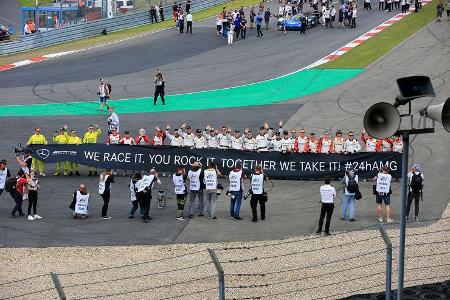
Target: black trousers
(159, 91)
(381, 5)
(258, 30)
(416, 197)
(262, 206)
(1, 191)
(189, 27)
(243, 33)
(327, 209)
(105, 197)
(18, 199)
(237, 32)
(161, 15)
(32, 201)
(144, 199)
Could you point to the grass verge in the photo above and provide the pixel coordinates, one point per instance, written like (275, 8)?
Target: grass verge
(114, 36)
(363, 55)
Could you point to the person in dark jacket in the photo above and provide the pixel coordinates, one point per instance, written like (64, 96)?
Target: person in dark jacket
(267, 18)
(104, 189)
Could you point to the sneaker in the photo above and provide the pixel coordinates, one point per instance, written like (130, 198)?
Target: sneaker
(191, 216)
(352, 220)
(416, 219)
(327, 233)
(342, 219)
(43, 174)
(57, 174)
(13, 216)
(30, 218)
(389, 220)
(200, 215)
(380, 220)
(65, 173)
(232, 218)
(254, 220)
(37, 216)
(214, 218)
(105, 217)
(180, 218)
(318, 232)
(238, 218)
(130, 217)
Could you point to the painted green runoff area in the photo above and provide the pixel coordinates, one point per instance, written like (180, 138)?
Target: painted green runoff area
(267, 92)
(363, 55)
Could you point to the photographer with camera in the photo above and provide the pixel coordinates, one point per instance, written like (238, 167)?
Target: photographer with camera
(196, 187)
(25, 160)
(4, 175)
(235, 190)
(210, 180)
(37, 139)
(258, 195)
(415, 191)
(179, 179)
(159, 87)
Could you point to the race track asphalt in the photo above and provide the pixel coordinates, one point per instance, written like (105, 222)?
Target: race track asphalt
(192, 63)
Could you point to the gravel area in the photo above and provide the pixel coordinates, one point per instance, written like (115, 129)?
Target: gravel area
(306, 267)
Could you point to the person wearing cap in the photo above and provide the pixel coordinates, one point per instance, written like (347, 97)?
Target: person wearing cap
(249, 141)
(187, 135)
(74, 139)
(211, 137)
(159, 87)
(224, 138)
(176, 139)
(287, 145)
(113, 120)
(113, 138)
(372, 144)
(37, 139)
(4, 175)
(103, 93)
(127, 139)
(301, 143)
(158, 139)
(90, 137)
(237, 142)
(351, 145)
(262, 139)
(196, 187)
(276, 144)
(199, 140)
(350, 182)
(415, 191)
(61, 138)
(383, 194)
(339, 143)
(325, 143)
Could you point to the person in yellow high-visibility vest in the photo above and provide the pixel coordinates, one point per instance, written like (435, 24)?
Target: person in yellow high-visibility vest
(74, 139)
(90, 137)
(61, 138)
(37, 139)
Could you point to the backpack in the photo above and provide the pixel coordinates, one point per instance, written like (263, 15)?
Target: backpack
(10, 184)
(416, 182)
(352, 185)
(109, 87)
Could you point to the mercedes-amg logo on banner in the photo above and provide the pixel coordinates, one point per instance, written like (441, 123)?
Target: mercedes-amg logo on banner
(43, 153)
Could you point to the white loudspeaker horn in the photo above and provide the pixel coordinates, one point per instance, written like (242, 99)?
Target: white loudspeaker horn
(382, 120)
(440, 113)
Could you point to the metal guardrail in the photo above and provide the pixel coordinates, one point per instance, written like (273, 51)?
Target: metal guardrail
(220, 273)
(388, 243)
(93, 28)
(59, 289)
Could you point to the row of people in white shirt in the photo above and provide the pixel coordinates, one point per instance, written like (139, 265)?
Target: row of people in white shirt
(268, 139)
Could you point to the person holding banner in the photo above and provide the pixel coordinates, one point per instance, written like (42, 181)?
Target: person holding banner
(62, 139)
(338, 143)
(179, 179)
(301, 143)
(90, 137)
(80, 202)
(74, 139)
(383, 194)
(210, 180)
(104, 189)
(200, 141)
(113, 120)
(237, 142)
(351, 145)
(37, 139)
(196, 187)
(142, 138)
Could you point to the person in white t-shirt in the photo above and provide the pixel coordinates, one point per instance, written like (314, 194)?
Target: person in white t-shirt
(179, 179)
(327, 194)
(383, 194)
(195, 176)
(258, 195)
(189, 23)
(235, 191)
(210, 180)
